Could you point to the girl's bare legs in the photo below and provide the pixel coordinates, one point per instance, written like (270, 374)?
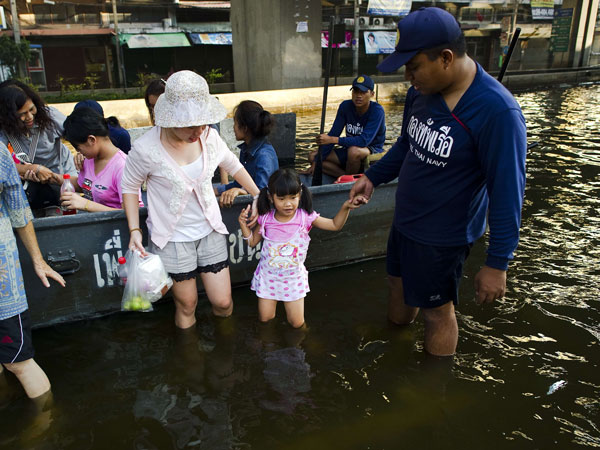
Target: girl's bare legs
(295, 313)
(266, 309)
(185, 295)
(218, 290)
(31, 376)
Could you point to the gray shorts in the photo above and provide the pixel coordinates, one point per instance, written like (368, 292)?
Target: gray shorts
(183, 260)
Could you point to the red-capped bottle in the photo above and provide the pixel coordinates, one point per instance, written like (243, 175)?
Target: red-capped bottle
(123, 270)
(67, 186)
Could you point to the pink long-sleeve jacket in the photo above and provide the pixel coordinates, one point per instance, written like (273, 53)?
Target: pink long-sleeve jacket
(169, 188)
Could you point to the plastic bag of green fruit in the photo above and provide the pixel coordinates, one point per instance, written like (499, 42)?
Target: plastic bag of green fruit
(135, 298)
(137, 303)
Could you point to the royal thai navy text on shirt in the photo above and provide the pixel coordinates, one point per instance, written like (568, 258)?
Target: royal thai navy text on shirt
(434, 141)
(427, 159)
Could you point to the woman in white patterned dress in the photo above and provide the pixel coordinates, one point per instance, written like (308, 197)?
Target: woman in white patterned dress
(177, 159)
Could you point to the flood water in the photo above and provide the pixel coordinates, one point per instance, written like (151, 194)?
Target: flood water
(525, 376)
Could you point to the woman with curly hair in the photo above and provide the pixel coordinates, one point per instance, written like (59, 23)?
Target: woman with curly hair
(33, 130)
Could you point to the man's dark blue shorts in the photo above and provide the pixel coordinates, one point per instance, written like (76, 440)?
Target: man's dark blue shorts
(430, 275)
(342, 154)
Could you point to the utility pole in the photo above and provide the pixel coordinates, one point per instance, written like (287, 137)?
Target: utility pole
(514, 20)
(356, 37)
(17, 34)
(118, 44)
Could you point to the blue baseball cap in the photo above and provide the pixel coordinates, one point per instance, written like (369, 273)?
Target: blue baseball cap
(364, 83)
(93, 104)
(120, 137)
(422, 29)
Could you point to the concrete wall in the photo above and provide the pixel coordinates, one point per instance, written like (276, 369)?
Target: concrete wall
(268, 52)
(133, 113)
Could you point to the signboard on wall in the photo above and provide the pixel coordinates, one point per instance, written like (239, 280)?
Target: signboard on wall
(561, 30)
(346, 44)
(542, 9)
(3, 25)
(379, 42)
(389, 7)
(211, 38)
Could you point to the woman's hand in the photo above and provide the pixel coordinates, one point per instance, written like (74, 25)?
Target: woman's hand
(72, 200)
(78, 160)
(30, 175)
(135, 242)
(44, 174)
(44, 271)
(229, 196)
(58, 179)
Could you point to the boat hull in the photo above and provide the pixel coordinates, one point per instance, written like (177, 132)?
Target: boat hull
(86, 247)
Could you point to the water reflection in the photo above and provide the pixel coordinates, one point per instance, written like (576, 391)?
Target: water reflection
(353, 381)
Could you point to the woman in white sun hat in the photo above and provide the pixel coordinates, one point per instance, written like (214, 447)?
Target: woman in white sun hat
(177, 159)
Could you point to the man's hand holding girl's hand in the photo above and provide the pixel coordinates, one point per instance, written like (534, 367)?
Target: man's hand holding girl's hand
(351, 204)
(361, 191)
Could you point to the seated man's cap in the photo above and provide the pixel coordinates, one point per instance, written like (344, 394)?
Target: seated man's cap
(364, 83)
(422, 29)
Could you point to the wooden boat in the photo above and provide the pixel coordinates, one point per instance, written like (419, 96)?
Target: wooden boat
(85, 249)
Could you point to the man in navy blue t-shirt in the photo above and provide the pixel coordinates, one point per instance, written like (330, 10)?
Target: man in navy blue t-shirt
(460, 157)
(364, 122)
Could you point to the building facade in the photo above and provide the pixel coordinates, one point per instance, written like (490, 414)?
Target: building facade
(275, 44)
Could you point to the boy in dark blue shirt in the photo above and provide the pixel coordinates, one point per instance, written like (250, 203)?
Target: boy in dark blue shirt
(461, 156)
(364, 121)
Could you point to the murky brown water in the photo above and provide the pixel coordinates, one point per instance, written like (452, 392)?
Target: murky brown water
(131, 382)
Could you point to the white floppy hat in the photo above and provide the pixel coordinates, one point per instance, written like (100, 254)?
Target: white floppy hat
(186, 102)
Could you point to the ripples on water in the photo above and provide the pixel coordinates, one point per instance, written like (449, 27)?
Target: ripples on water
(130, 381)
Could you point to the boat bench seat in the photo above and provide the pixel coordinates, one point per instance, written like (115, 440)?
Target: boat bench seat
(373, 158)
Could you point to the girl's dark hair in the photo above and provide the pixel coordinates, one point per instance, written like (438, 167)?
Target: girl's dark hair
(82, 123)
(284, 182)
(251, 115)
(155, 87)
(13, 95)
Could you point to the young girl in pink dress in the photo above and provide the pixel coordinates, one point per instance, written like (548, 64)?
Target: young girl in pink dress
(285, 219)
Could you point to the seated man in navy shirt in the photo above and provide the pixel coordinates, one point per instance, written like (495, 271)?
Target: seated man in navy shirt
(364, 121)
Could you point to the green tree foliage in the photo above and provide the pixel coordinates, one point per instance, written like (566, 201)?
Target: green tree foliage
(213, 75)
(11, 53)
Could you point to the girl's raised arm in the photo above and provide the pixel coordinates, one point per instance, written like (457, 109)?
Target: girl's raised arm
(252, 236)
(338, 222)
